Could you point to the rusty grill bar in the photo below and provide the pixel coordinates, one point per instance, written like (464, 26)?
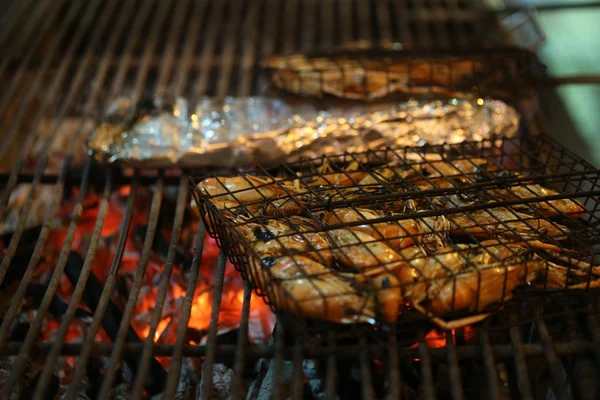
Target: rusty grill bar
(64, 60)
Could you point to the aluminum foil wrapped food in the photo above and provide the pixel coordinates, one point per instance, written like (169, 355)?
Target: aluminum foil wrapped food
(234, 132)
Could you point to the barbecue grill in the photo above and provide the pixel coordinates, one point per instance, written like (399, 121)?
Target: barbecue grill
(83, 257)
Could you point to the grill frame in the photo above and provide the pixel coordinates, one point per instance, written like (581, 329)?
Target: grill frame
(113, 69)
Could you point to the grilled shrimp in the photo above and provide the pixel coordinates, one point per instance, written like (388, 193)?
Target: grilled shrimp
(419, 174)
(276, 238)
(356, 249)
(550, 208)
(241, 189)
(505, 223)
(388, 295)
(474, 276)
(326, 176)
(311, 289)
(429, 231)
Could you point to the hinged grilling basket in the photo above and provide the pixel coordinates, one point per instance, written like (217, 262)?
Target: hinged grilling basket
(440, 230)
(396, 70)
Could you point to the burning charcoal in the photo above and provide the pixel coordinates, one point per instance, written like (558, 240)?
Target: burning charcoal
(161, 245)
(57, 306)
(21, 258)
(221, 378)
(19, 329)
(195, 335)
(111, 320)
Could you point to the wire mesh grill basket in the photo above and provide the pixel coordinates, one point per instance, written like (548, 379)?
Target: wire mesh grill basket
(359, 238)
(384, 71)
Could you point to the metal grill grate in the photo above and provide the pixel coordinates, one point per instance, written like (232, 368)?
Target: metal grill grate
(63, 61)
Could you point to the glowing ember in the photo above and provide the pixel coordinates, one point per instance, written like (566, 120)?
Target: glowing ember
(435, 339)
(261, 320)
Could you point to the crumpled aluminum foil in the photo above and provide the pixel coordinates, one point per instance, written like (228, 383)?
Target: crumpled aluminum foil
(235, 132)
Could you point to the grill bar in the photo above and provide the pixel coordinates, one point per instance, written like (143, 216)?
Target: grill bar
(241, 344)
(331, 369)
(426, 373)
(170, 48)
(393, 362)
(192, 35)
(309, 23)
(490, 366)
(405, 34)
(231, 41)
(520, 365)
(297, 372)
(555, 368)
(290, 11)
(345, 14)
(212, 332)
(249, 44)
(176, 361)
(327, 23)
(208, 48)
(365, 372)
(383, 21)
(455, 379)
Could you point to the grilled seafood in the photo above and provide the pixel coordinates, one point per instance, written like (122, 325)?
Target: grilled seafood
(550, 208)
(240, 189)
(431, 174)
(272, 238)
(474, 276)
(326, 176)
(307, 287)
(429, 231)
(503, 222)
(365, 78)
(348, 246)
